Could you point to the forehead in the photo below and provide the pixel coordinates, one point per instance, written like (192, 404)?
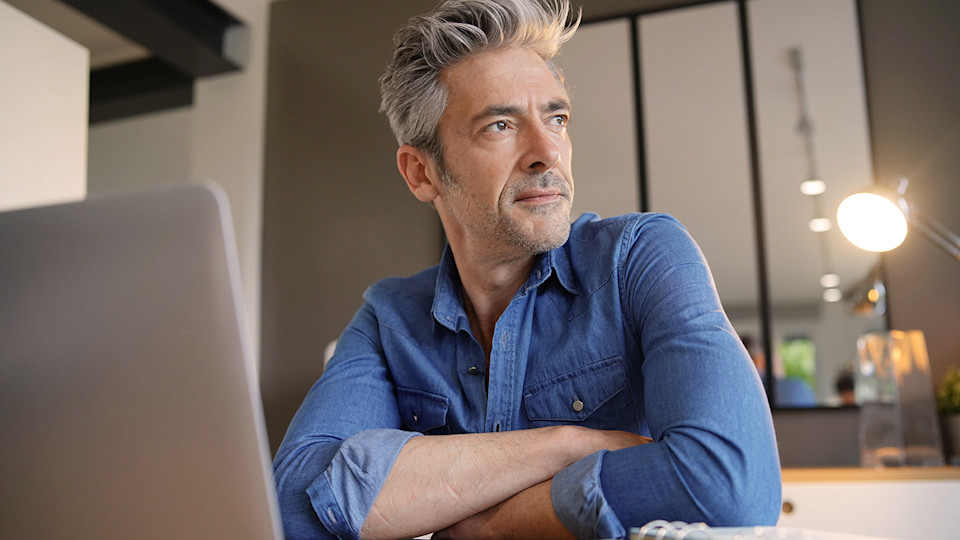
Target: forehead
(507, 76)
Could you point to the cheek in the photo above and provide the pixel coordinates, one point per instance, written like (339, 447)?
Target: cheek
(484, 178)
(567, 152)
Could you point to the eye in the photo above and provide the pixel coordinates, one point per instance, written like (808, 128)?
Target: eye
(500, 125)
(559, 120)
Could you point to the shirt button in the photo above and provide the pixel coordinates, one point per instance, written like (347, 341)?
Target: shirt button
(416, 419)
(577, 405)
(473, 370)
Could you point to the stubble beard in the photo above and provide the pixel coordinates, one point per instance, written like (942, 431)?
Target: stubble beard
(556, 217)
(502, 227)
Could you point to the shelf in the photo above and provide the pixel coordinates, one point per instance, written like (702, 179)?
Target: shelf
(870, 475)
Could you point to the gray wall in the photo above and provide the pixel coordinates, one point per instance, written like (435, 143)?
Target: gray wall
(337, 215)
(912, 53)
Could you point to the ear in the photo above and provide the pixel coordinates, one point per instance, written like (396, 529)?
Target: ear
(418, 170)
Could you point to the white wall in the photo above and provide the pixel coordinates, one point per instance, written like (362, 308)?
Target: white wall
(220, 137)
(43, 113)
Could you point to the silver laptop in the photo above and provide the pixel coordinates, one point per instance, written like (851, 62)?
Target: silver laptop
(129, 403)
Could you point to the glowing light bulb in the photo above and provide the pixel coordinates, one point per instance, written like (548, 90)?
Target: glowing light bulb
(820, 224)
(813, 187)
(832, 295)
(872, 222)
(829, 281)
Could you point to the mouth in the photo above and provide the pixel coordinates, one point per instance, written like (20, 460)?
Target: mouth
(543, 189)
(539, 196)
(542, 194)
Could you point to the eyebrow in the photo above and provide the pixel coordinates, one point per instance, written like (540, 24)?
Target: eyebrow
(513, 110)
(557, 105)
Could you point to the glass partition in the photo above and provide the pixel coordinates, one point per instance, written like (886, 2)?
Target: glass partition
(697, 145)
(722, 114)
(814, 151)
(597, 64)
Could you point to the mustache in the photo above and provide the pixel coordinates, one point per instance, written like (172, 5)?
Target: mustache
(542, 180)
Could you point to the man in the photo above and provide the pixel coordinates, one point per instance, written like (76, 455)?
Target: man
(574, 381)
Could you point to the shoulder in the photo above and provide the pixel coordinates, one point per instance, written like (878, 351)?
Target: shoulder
(639, 249)
(590, 226)
(401, 306)
(599, 249)
(648, 233)
(403, 291)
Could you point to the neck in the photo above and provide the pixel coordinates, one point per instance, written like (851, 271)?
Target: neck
(487, 291)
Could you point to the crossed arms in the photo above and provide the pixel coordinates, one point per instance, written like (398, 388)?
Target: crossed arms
(482, 485)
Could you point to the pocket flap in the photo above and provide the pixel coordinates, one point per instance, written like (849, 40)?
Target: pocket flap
(575, 395)
(422, 411)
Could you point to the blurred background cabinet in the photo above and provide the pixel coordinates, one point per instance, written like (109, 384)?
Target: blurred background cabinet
(908, 503)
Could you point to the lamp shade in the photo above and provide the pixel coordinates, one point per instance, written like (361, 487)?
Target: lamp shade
(872, 222)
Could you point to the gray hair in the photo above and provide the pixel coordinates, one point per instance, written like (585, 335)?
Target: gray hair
(412, 95)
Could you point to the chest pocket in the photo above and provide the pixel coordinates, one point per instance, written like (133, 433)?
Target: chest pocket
(596, 396)
(423, 411)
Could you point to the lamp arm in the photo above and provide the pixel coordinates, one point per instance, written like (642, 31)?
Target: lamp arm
(936, 233)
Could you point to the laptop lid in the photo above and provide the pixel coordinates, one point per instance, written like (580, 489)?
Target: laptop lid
(129, 403)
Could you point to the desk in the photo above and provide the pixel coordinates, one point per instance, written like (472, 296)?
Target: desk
(908, 503)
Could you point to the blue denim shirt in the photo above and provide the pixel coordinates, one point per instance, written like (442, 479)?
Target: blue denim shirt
(620, 328)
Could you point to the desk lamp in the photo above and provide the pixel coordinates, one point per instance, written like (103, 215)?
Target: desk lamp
(876, 220)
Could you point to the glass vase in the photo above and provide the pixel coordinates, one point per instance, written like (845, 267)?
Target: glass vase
(899, 424)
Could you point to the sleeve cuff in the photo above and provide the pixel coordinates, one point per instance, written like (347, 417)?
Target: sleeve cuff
(343, 495)
(579, 502)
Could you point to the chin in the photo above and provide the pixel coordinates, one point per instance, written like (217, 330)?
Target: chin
(551, 236)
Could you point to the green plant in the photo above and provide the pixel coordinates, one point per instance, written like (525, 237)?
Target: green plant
(798, 356)
(948, 394)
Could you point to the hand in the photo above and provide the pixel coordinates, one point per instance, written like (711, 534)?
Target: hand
(623, 439)
(598, 439)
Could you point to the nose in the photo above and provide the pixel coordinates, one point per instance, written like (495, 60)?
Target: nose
(542, 151)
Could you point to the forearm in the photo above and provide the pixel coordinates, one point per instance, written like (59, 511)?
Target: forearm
(436, 481)
(439, 481)
(528, 515)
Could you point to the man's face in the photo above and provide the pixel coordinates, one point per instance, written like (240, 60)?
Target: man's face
(506, 185)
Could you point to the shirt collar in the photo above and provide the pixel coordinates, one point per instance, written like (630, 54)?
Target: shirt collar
(447, 304)
(558, 261)
(448, 307)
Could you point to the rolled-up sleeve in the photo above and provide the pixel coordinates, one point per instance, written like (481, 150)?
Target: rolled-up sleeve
(342, 442)
(579, 501)
(343, 494)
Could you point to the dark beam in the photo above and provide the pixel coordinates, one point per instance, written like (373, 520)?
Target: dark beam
(137, 88)
(187, 40)
(187, 35)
